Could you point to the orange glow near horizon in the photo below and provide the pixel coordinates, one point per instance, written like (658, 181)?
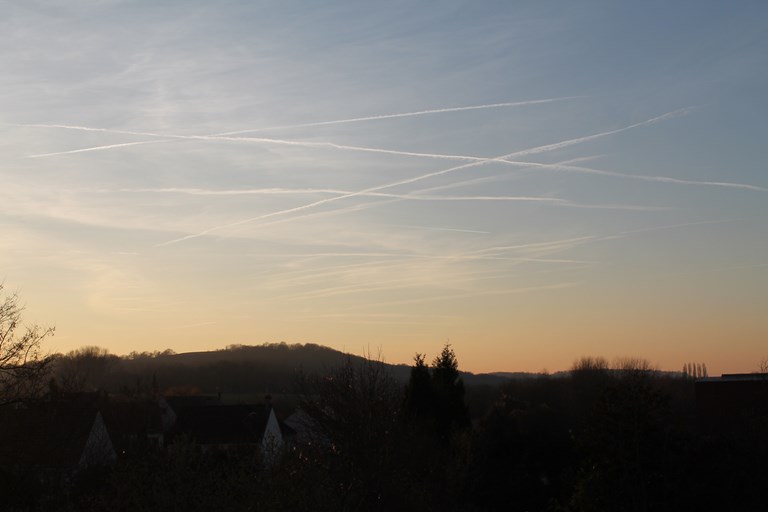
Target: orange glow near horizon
(390, 178)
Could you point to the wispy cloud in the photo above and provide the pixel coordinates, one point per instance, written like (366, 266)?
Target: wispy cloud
(197, 324)
(444, 297)
(554, 245)
(433, 228)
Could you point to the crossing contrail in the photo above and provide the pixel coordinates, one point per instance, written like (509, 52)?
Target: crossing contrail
(170, 138)
(538, 149)
(503, 160)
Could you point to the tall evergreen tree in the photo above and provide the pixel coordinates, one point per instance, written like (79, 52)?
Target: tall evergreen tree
(448, 387)
(419, 399)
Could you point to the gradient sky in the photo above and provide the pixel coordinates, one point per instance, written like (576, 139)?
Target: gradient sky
(531, 181)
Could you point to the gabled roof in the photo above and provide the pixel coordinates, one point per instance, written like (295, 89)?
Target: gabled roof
(132, 417)
(223, 424)
(44, 436)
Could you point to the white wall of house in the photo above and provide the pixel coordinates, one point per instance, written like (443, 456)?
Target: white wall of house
(272, 441)
(98, 449)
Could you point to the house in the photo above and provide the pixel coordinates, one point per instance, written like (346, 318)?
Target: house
(303, 428)
(732, 404)
(53, 440)
(136, 425)
(230, 428)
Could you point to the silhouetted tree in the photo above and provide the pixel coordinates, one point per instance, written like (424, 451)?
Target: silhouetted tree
(448, 389)
(625, 445)
(522, 452)
(23, 367)
(419, 398)
(351, 464)
(85, 369)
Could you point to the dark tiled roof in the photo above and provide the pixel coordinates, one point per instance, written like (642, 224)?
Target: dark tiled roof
(44, 436)
(132, 417)
(223, 424)
(183, 401)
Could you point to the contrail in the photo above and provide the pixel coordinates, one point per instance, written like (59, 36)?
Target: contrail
(580, 140)
(96, 148)
(639, 177)
(504, 159)
(282, 191)
(170, 138)
(406, 114)
(556, 244)
(432, 228)
(471, 294)
(91, 129)
(405, 197)
(264, 140)
(538, 149)
(480, 160)
(675, 226)
(570, 242)
(665, 179)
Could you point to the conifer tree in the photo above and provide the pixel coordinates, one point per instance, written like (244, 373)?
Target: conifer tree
(418, 393)
(448, 387)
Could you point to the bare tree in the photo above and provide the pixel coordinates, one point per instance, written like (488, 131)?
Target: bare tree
(84, 369)
(23, 367)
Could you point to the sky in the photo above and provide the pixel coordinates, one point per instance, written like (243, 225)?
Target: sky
(530, 181)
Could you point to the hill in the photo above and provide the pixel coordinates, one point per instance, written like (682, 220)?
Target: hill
(235, 370)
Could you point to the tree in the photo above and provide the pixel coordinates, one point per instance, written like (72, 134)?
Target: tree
(626, 444)
(85, 369)
(23, 367)
(448, 389)
(350, 462)
(418, 392)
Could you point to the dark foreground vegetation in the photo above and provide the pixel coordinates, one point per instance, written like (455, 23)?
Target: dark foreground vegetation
(600, 437)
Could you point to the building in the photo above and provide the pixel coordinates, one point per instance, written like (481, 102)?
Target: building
(733, 404)
(53, 440)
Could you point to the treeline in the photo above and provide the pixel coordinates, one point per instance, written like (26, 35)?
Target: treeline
(235, 371)
(621, 437)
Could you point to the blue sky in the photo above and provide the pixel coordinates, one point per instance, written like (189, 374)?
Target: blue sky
(194, 174)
